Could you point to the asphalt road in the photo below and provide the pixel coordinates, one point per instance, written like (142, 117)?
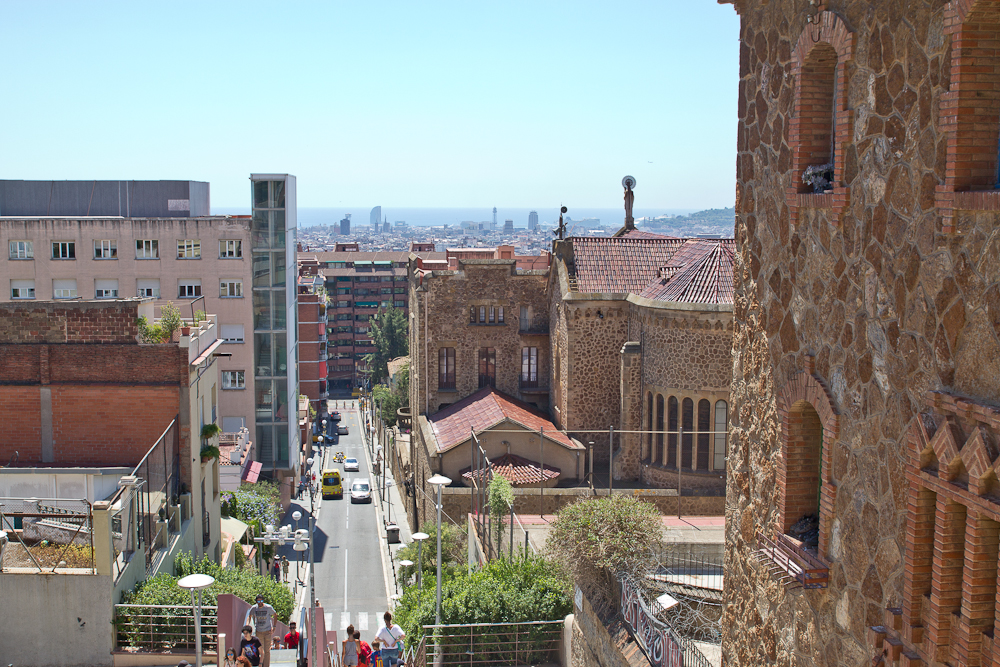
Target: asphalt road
(349, 579)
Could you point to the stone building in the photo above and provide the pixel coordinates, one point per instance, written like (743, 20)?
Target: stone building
(862, 511)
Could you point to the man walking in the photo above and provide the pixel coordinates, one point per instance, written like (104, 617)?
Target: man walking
(264, 621)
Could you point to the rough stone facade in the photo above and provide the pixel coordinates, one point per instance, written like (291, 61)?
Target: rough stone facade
(865, 351)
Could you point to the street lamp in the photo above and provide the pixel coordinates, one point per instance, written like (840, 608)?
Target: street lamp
(420, 537)
(406, 563)
(438, 480)
(196, 582)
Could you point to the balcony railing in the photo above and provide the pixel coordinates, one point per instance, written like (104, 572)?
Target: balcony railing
(160, 627)
(792, 564)
(529, 384)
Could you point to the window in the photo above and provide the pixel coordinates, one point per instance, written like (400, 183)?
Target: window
(231, 288)
(63, 250)
(487, 367)
(231, 333)
(482, 314)
(672, 432)
(472, 314)
(523, 320)
(499, 314)
(492, 319)
(704, 425)
(189, 249)
(233, 380)
(22, 289)
(400, 304)
(147, 249)
(106, 249)
(187, 289)
(649, 426)
(148, 288)
(529, 367)
(64, 289)
(659, 428)
(230, 249)
(22, 250)
(106, 289)
(687, 421)
(721, 434)
(803, 464)
(446, 368)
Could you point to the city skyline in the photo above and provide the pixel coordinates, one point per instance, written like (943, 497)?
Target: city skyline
(519, 103)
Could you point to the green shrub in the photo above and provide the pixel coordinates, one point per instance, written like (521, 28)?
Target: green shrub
(454, 551)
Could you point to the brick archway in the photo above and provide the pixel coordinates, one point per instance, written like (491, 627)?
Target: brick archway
(833, 34)
(805, 387)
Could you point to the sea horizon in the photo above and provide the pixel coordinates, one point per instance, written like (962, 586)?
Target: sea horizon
(431, 216)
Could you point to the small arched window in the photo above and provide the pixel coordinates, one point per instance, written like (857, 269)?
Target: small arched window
(816, 147)
(721, 435)
(649, 423)
(704, 438)
(659, 429)
(687, 440)
(802, 470)
(672, 432)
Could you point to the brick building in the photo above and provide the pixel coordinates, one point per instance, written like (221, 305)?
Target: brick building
(862, 515)
(312, 307)
(78, 391)
(632, 332)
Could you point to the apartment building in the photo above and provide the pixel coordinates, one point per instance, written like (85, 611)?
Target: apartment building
(357, 285)
(70, 240)
(312, 336)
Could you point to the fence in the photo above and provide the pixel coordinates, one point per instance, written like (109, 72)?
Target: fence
(159, 472)
(529, 643)
(163, 627)
(124, 536)
(489, 527)
(663, 645)
(47, 533)
(683, 568)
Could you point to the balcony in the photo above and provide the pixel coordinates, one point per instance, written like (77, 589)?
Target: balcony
(535, 330)
(791, 563)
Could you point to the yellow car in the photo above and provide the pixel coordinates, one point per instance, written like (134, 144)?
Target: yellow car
(332, 485)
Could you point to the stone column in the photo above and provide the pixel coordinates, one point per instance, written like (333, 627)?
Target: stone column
(921, 505)
(100, 524)
(628, 458)
(946, 576)
(979, 588)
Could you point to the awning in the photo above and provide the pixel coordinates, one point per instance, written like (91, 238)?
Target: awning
(253, 472)
(234, 527)
(208, 352)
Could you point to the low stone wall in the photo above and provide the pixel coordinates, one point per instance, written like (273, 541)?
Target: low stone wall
(592, 645)
(457, 501)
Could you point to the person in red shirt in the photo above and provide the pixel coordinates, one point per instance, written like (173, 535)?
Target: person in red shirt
(292, 638)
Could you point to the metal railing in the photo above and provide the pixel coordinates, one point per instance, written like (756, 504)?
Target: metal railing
(159, 471)
(47, 533)
(124, 531)
(527, 643)
(679, 566)
(163, 627)
(658, 639)
(491, 536)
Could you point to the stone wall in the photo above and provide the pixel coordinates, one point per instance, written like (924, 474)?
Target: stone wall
(593, 645)
(867, 293)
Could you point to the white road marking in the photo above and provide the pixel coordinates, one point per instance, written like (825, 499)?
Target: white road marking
(345, 619)
(362, 621)
(328, 617)
(345, 579)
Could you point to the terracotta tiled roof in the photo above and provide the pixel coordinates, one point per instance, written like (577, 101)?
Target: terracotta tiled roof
(638, 234)
(622, 264)
(518, 470)
(701, 271)
(486, 409)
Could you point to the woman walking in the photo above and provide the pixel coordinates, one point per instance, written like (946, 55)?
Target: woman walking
(349, 654)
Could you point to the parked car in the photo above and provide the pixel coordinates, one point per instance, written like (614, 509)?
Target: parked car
(361, 491)
(335, 416)
(351, 465)
(342, 429)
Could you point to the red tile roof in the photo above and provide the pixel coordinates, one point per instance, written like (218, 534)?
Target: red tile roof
(639, 234)
(484, 410)
(701, 271)
(518, 470)
(622, 264)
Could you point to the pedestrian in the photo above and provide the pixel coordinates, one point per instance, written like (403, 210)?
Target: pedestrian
(284, 568)
(349, 653)
(364, 650)
(292, 637)
(264, 620)
(250, 647)
(230, 657)
(390, 635)
(276, 569)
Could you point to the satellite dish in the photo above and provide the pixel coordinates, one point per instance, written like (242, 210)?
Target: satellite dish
(628, 182)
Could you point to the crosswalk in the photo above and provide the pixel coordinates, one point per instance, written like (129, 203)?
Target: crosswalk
(362, 621)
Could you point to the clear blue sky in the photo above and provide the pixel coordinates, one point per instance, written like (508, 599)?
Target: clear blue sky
(393, 103)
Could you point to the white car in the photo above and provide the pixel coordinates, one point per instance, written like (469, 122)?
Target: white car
(361, 491)
(351, 465)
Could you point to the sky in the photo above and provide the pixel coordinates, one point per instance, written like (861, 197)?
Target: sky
(407, 104)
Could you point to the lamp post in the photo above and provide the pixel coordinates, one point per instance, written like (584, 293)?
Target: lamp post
(420, 537)
(301, 541)
(196, 582)
(406, 562)
(438, 480)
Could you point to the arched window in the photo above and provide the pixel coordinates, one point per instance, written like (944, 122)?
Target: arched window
(817, 116)
(687, 440)
(672, 432)
(721, 434)
(704, 426)
(659, 429)
(802, 469)
(649, 423)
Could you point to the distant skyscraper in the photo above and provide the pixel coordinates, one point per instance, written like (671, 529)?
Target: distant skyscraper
(386, 227)
(345, 224)
(376, 217)
(494, 218)
(533, 220)
(508, 226)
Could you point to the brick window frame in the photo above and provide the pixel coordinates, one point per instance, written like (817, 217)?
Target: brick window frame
(831, 32)
(971, 103)
(952, 532)
(805, 387)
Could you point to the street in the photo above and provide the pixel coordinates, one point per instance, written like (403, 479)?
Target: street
(350, 584)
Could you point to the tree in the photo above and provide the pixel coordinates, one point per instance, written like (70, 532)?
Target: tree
(389, 335)
(500, 495)
(598, 538)
(454, 552)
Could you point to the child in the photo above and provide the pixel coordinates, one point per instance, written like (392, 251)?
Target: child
(364, 650)
(230, 657)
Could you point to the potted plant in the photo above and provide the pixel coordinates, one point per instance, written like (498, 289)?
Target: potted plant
(819, 176)
(208, 451)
